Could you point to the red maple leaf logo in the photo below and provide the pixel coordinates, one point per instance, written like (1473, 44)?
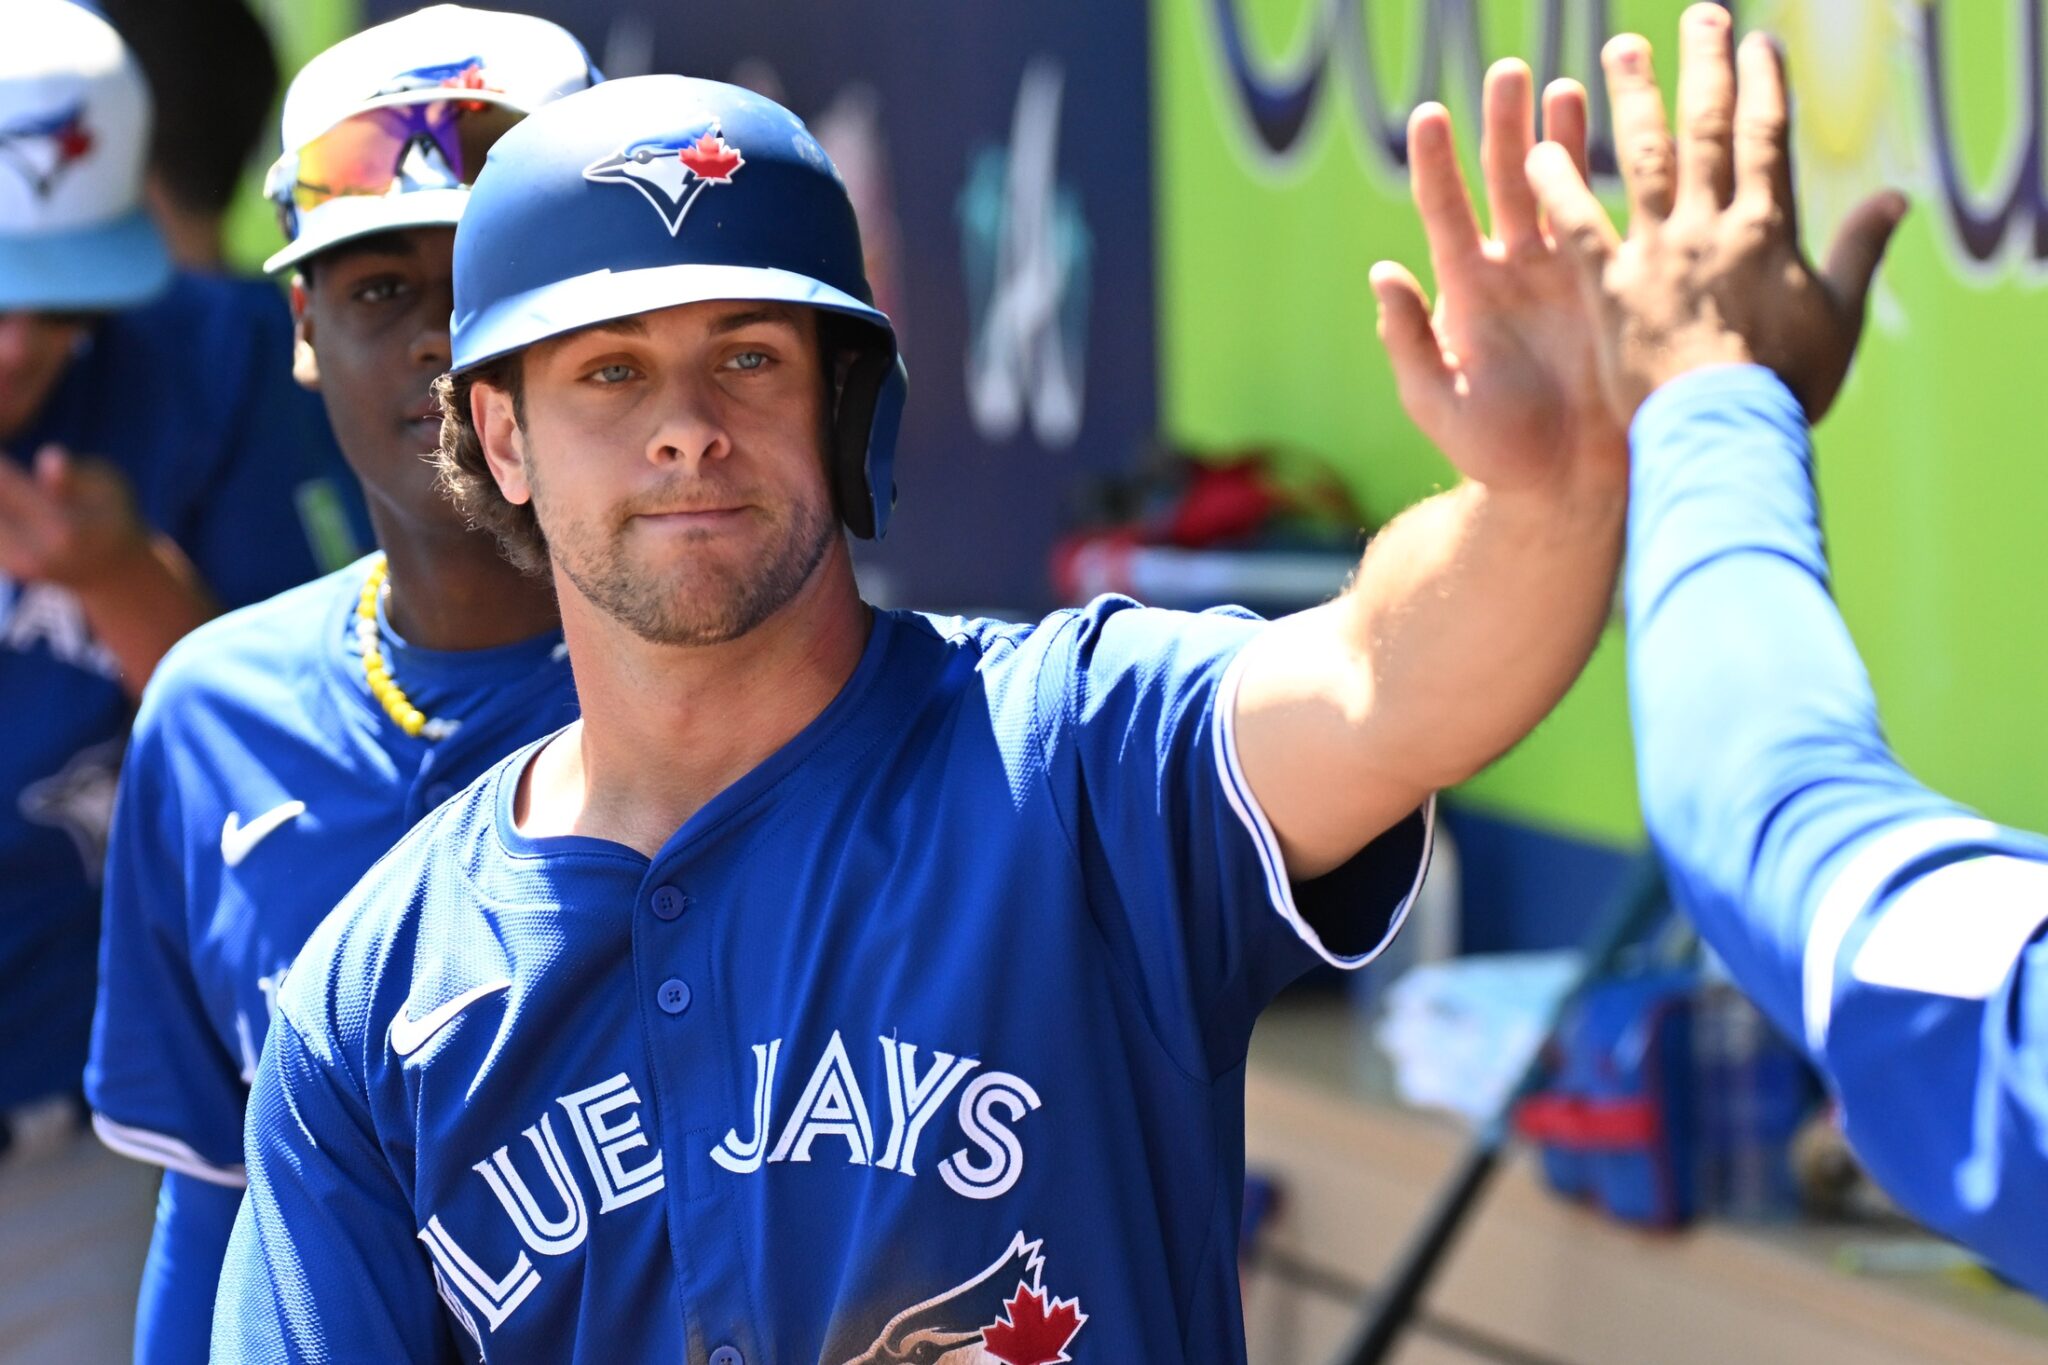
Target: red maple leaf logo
(1033, 1331)
(471, 77)
(710, 159)
(73, 141)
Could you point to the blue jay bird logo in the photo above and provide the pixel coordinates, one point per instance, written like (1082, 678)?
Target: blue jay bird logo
(467, 74)
(672, 170)
(79, 800)
(1002, 1316)
(42, 147)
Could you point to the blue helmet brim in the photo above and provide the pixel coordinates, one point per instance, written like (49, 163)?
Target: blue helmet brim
(562, 306)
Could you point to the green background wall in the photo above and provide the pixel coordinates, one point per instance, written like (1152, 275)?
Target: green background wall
(299, 29)
(1932, 482)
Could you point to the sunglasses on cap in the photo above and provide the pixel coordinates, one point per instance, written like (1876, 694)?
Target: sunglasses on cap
(440, 144)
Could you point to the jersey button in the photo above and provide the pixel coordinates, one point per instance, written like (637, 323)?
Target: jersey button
(669, 902)
(727, 1355)
(674, 998)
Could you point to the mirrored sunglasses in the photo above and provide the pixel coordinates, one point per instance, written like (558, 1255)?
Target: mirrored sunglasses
(438, 145)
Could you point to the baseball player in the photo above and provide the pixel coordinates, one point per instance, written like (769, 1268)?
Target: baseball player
(857, 985)
(156, 463)
(1893, 930)
(283, 748)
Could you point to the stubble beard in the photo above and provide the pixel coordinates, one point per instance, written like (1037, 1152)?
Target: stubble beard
(706, 606)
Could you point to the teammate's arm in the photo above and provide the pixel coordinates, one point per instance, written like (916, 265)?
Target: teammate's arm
(162, 1088)
(1895, 933)
(174, 1310)
(1892, 930)
(1472, 613)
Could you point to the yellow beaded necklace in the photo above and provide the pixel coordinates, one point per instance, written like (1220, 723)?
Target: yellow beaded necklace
(377, 671)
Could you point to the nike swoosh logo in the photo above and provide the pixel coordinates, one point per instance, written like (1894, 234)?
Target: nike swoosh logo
(238, 839)
(410, 1035)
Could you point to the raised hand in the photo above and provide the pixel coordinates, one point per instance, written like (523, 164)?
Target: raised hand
(68, 521)
(1711, 271)
(1503, 376)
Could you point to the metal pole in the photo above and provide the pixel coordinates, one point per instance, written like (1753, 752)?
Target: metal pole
(1639, 907)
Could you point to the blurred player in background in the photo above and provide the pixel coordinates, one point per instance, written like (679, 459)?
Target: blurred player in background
(156, 461)
(212, 75)
(853, 985)
(1896, 932)
(284, 747)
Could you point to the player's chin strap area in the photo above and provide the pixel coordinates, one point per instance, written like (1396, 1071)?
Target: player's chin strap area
(852, 423)
(29, 1132)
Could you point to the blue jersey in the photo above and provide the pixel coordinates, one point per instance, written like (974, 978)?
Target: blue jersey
(192, 398)
(924, 1040)
(1892, 930)
(262, 781)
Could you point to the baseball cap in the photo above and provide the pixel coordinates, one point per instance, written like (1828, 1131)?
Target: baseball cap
(74, 132)
(388, 128)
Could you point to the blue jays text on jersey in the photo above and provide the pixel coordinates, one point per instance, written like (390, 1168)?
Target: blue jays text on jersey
(192, 398)
(922, 1041)
(1897, 933)
(263, 779)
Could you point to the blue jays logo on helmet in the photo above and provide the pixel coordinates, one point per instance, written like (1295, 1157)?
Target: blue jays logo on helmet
(43, 146)
(672, 170)
(467, 74)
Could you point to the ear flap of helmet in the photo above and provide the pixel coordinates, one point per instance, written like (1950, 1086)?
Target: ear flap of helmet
(864, 439)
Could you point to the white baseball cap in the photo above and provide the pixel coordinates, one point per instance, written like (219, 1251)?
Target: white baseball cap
(386, 129)
(74, 132)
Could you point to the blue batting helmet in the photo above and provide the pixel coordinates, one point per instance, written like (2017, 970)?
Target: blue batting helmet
(655, 191)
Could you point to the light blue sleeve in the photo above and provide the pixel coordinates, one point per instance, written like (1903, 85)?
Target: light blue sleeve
(1891, 930)
(324, 1264)
(162, 1087)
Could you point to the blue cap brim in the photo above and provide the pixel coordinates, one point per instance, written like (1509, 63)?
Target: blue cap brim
(514, 323)
(100, 269)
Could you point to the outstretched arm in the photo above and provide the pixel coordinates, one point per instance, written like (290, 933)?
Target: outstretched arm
(1893, 931)
(1472, 613)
